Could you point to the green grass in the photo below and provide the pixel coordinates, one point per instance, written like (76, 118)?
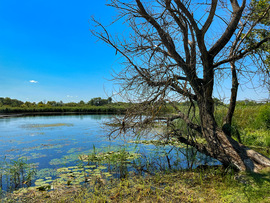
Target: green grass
(252, 123)
(210, 185)
(112, 108)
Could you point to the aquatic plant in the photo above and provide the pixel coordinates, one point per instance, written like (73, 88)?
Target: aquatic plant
(16, 173)
(117, 160)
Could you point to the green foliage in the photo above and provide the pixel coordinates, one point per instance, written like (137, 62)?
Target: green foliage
(100, 102)
(218, 102)
(258, 9)
(255, 137)
(95, 105)
(112, 108)
(244, 116)
(263, 117)
(118, 159)
(251, 122)
(10, 102)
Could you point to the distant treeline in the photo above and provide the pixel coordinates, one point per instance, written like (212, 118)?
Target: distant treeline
(218, 102)
(95, 105)
(98, 101)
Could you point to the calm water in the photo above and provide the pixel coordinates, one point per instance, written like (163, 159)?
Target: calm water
(44, 138)
(53, 142)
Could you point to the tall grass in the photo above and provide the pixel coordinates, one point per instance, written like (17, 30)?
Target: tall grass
(251, 122)
(16, 174)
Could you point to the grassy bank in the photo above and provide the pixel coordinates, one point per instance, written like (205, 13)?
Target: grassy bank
(116, 109)
(210, 185)
(251, 123)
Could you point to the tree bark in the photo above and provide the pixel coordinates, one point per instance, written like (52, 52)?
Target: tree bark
(227, 123)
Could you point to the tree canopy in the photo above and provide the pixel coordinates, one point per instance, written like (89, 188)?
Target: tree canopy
(259, 11)
(180, 50)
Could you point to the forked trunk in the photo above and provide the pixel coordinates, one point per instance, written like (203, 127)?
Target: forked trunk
(226, 149)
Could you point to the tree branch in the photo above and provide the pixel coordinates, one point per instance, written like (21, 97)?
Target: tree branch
(210, 17)
(224, 39)
(243, 52)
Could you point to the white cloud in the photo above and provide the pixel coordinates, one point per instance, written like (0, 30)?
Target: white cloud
(69, 96)
(33, 81)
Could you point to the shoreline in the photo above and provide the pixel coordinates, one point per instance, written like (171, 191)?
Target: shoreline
(12, 115)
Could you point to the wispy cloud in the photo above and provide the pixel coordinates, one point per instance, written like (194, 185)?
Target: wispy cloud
(33, 81)
(69, 96)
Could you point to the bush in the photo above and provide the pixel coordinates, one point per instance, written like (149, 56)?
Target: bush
(253, 137)
(263, 117)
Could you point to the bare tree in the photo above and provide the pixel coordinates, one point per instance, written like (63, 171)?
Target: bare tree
(174, 51)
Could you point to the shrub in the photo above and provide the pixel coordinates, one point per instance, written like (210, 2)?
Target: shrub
(258, 137)
(263, 117)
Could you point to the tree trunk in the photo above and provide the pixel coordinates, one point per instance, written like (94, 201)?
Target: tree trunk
(227, 123)
(226, 149)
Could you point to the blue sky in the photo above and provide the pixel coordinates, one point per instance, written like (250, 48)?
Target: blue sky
(47, 51)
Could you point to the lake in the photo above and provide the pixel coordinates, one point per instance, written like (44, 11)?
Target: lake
(44, 138)
(53, 142)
